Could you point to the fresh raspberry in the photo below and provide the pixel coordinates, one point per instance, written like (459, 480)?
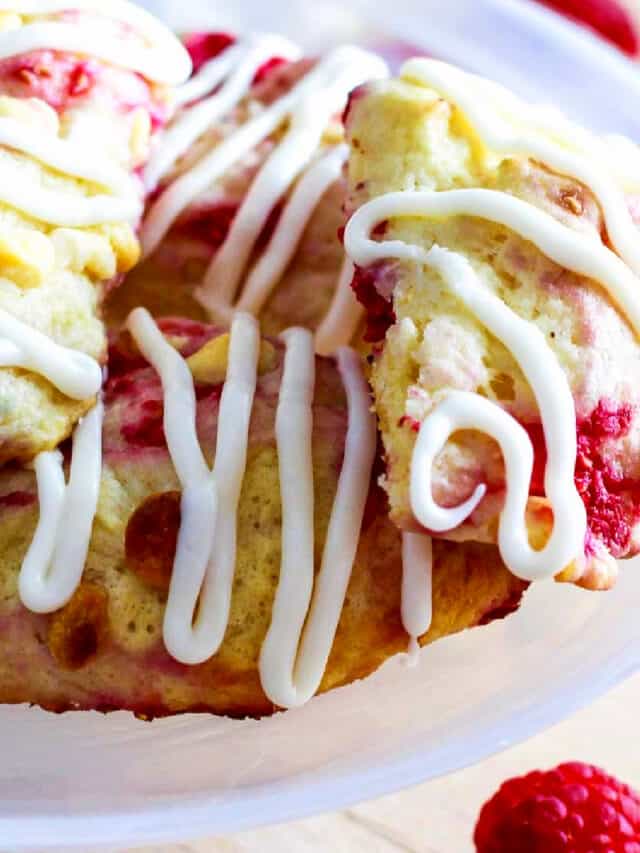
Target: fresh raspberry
(607, 17)
(575, 808)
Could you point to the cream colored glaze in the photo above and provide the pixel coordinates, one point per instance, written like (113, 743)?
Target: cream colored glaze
(304, 112)
(506, 126)
(304, 198)
(73, 373)
(156, 52)
(305, 613)
(416, 600)
(239, 63)
(343, 317)
(68, 158)
(530, 349)
(53, 565)
(205, 559)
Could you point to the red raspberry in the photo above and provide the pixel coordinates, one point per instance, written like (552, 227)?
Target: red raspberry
(575, 808)
(607, 17)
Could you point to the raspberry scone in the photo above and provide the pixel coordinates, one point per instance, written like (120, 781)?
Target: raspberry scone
(231, 466)
(248, 191)
(497, 256)
(83, 87)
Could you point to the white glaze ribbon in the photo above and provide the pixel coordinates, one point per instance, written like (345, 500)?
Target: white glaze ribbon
(53, 566)
(341, 70)
(306, 108)
(416, 607)
(340, 323)
(297, 646)
(67, 157)
(509, 127)
(529, 348)
(64, 210)
(239, 63)
(462, 410)
(295, 217)
(73, 373)
(565, 247)
(206, 551)
(159, 57)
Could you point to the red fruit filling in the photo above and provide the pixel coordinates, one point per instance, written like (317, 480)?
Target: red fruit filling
(205, 46)
(209, 225)
(142, 418)
(145, 427)
(56, 78)
(270, 65)
(612, 500)
(354, 95)
(62, 79)
(366, 285)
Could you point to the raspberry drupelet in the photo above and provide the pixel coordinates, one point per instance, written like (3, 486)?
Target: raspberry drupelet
(575, 808)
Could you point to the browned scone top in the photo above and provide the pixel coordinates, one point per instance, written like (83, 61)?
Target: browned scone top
(105, 651)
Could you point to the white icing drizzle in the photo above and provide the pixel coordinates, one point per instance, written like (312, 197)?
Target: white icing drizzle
(53, 565)
(239, 63)
(65, 210)
(345, 312)
(206, 552)
(306, 195)
(462, 410)
(158, 49)
(68, 158)
(297, 646)
(200, 593)
(510, 127)
(576, 252)
(305, 112)
(416, 599)
(537, 362)
(330, 81)
(157, 54)
(73, 373)
(64, 156)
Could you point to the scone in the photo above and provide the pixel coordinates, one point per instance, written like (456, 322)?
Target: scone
(497, 257)
(140, 630)
(83, 88)
(248, 191)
